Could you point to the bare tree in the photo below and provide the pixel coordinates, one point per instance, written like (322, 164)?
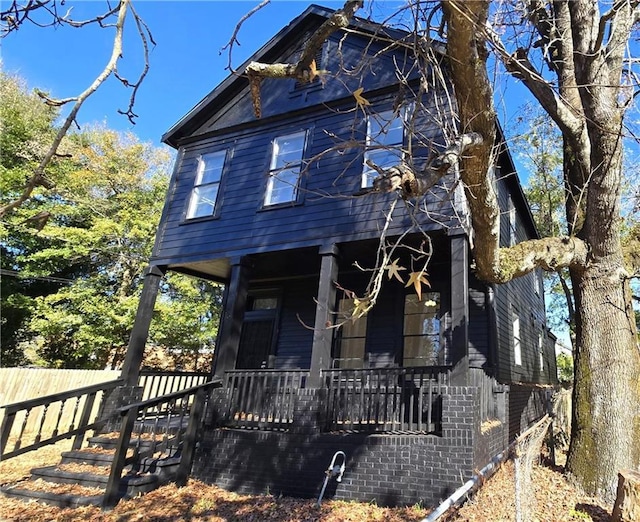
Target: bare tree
(52, 13)
(574, 60)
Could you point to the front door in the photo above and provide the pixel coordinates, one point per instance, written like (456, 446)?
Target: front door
(257, 339)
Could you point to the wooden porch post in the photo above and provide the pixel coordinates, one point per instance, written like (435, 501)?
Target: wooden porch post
(325, 308)
(233, 307)
(138, 340)
(459, 309)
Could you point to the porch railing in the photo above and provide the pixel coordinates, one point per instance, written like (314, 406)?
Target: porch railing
(385, 399)
(262, 398)
(163, 430)
(156, 383)
(31, 424)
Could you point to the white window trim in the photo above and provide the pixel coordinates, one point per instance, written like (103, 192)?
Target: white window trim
(541, 352)
(273, 171)
(387, 116)
(194, 200)
(517, 341)
(513, 239)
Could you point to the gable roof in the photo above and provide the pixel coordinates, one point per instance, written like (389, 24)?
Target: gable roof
(309, 20)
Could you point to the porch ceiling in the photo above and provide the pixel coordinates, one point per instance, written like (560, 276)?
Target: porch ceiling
(215, 269)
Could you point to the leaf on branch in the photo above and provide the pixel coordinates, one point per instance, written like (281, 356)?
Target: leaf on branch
(361, 101)
(313, 71)
(417, 279)
(393, 270)
(360, 308)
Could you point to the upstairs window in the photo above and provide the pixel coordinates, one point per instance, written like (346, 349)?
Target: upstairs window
(513, 239)
(422, 338)
(202, 202)
(385, 139)
(284, 171)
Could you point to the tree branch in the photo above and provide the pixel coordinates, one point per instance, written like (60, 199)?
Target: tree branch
(143, 32)
(413, 184)
(38, 178)
(234, 37)
(301, 70)
(16, 14)
(551, 254)
(468, 58)
(518, 64)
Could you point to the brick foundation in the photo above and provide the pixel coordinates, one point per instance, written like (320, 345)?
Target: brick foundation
(389, 469)
(119, 397)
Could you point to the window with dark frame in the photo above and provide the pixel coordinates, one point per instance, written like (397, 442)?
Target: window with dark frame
(351, 339)
(204, 195)
(422, 330)
(285, 168)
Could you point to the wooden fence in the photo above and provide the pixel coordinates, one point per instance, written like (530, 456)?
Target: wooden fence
(22, 384)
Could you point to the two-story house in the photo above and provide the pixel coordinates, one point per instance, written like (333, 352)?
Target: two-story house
(437, 376)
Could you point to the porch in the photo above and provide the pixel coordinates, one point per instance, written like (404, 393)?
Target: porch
(366, 400)
(408, 433)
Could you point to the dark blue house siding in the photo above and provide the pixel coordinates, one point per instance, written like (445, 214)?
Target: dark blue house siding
(281, 96)
(328, 208)
(478, 326)
(524, 296)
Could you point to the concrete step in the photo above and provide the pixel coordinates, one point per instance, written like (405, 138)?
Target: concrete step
(52, 499)
(60, 476)
(86, 456)
(110, 443)
(53, 495)
(85, 482)
(57, 487)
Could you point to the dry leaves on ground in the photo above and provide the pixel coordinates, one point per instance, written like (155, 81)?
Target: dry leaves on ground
(557, 501)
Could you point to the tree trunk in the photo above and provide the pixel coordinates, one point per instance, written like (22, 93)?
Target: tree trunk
(606, 423)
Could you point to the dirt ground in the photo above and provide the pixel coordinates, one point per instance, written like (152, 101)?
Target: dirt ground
(556, 500)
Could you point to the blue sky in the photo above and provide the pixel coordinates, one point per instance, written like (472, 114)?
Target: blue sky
(185, 65)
